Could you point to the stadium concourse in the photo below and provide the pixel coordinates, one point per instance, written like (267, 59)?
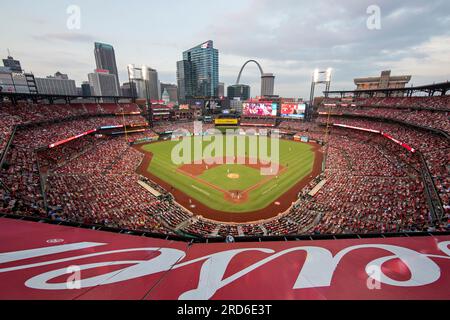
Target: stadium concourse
(386, 170)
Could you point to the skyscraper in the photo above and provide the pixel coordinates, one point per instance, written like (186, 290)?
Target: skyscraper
(105, 59)
(145, 81)
(150, 77)
(184, 80)
(199, 70)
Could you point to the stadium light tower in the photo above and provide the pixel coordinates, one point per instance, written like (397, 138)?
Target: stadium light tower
(320, 77)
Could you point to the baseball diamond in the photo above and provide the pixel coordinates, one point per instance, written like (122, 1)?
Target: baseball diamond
(236, 192)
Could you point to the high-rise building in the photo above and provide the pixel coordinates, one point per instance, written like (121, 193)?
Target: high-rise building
(221, 90)
(199, 70)
(151, 80)
(105, 59)
(238, 91)
(184, 80)
(103, 83)
(146, 82)
(267, 84)
(172, 90)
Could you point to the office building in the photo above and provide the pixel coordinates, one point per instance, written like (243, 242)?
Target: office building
(86, 89)
(56, 86)
(267, 84)
(238, 91)
(146, 82)
(129, 89)
(184, 80)
(105, 59)
(103, 83)
(198, 72)
(221, 90)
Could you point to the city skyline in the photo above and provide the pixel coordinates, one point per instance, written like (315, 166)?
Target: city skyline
(287, 42)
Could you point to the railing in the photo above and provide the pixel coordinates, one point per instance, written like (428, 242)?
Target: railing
(435, 203)
(196, 239)
(3, 156)
(8, 144)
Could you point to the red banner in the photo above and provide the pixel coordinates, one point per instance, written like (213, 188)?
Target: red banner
(72, 138)
(355, 128)
(40, 261)
(404, 145)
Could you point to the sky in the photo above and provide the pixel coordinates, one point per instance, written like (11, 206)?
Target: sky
(289, 38)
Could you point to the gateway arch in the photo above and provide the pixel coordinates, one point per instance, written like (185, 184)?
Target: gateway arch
(267, 79)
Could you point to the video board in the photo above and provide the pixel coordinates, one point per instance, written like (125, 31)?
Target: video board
(259, 109)
(293, 110)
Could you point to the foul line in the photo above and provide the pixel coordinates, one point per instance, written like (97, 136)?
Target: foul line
(201, 190)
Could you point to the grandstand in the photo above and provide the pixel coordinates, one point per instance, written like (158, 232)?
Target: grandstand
(386, 168)
(383, 184)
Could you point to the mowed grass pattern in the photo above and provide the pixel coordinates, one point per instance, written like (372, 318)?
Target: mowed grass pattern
(297, 159)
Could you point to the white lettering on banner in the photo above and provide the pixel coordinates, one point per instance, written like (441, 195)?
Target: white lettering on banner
(317, 271)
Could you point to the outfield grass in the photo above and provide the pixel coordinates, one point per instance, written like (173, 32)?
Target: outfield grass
(297, 158)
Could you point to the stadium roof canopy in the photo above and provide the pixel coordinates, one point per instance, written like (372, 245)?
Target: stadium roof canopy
(430, 89)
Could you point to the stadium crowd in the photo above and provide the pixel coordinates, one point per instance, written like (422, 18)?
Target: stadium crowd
(370, 184)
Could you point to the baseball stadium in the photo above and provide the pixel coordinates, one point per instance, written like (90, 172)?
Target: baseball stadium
(364, 175)
(163, 183)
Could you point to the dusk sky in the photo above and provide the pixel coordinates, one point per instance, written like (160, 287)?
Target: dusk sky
(290, 38)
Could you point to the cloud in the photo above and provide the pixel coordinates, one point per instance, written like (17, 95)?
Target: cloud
(66, 37)
(290, 38)
(429, 59)
(294, 37)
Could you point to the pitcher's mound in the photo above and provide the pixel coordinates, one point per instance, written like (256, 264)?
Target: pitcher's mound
(233, 176)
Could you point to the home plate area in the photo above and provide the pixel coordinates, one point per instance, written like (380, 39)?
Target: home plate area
(235, 181)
